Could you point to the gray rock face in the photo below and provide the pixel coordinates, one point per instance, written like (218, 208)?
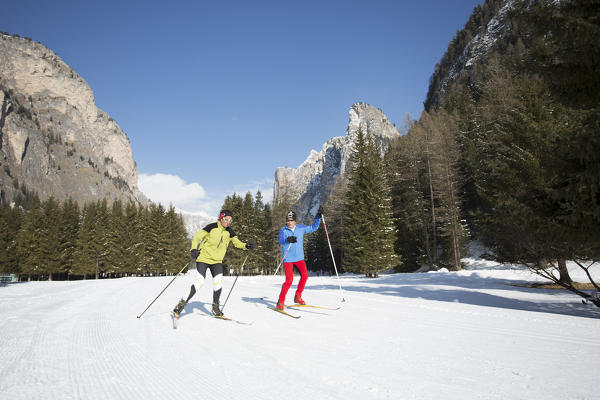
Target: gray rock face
(476, 50)
(312, 181)
(53, 138)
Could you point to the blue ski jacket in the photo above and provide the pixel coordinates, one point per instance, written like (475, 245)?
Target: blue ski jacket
(296, 250)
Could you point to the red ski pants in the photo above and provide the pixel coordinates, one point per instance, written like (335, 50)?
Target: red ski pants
(289, 277)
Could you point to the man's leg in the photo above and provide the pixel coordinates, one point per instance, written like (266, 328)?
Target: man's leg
(217, 272)
(301, 265)
(289, 278)
(198, 283)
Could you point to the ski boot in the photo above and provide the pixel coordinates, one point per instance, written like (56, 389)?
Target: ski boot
(216, 310)
(280, 305)
(179, 308)
(298, 300)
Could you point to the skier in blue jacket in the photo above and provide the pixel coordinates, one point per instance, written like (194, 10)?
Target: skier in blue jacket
(292, 250)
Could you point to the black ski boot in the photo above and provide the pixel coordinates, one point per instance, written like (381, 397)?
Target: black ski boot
(179, 308)
(216, 310)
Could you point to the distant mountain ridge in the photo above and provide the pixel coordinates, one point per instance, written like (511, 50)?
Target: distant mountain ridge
(53, 139)
(195, 221)
(311, 182)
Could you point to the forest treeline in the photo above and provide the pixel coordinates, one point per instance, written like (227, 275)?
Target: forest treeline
(53, 240)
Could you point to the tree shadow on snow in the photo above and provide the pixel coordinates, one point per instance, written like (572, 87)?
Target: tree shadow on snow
(466, 290)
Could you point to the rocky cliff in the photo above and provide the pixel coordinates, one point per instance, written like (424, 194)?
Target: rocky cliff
(311, 182)
(53, 138)
(473, 44)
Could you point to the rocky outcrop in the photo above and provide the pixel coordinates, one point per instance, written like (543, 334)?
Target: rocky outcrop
(460, 64)
(311, 182)
(53, 138)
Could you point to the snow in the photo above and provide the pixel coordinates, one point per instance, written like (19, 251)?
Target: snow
(474, 334)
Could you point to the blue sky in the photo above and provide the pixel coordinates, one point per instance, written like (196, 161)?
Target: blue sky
(215, 95)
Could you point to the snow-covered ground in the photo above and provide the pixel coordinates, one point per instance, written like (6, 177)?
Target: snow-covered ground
(443, 335)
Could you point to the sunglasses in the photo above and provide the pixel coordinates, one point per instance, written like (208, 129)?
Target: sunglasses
(227, 219)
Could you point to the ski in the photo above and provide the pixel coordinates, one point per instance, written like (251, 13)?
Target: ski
(284, 312)
(224, 318)
(311, 306)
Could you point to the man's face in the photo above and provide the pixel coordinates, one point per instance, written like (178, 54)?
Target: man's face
(226, 221)
(290, 223)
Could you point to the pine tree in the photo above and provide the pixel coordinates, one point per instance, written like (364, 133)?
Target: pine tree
(268, 242)
(368, 229)
(133, 244)
(333, 219)
(116, 239)
(382, 256)
(28, 239)
(49, 245)
(264, 234)
(317, 252)
(408, 204)
(447, 183)
(177, 250)
(86, 254)
(68, 231)
(247, 231)
(5, 239)
(241, 210)
(151, 257)
(13, 217)
(102, 244)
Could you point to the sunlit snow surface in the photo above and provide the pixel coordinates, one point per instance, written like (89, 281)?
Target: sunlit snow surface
(444, 335)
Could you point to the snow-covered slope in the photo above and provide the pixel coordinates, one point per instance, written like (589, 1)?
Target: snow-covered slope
(443, 335)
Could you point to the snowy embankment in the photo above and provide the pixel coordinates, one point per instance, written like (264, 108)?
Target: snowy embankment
(445, 335)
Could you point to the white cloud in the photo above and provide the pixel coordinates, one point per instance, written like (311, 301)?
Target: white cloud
(192, 198)
(170, 189)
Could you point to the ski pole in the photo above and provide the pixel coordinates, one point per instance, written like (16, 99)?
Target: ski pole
(285, 254)
(236, 278)
(186, 264)
(332, 258)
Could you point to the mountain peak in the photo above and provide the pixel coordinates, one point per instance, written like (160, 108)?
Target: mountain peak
(311, 182)
(53, 138)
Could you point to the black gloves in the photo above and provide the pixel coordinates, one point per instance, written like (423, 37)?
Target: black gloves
(320, 212)
(250, 246)
(194, 253)
(291, 239)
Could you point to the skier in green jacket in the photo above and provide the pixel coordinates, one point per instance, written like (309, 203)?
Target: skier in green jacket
(209, 246)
